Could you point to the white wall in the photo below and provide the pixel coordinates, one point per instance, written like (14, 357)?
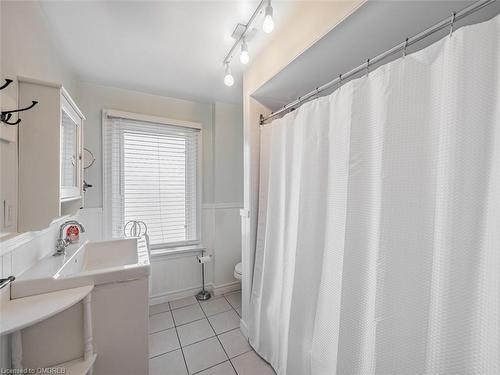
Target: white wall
(222, 139)
(26, 49)
(29, 49)
(93, 98)
(303, 28)
(228, 191)
(171, 275)
(228, 149)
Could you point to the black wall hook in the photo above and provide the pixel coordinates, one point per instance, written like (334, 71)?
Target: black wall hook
(7, 83)
(6, 115)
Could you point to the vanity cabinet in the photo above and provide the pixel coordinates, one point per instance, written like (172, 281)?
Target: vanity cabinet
(50, 155)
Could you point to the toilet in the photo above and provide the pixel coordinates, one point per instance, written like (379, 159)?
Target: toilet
(237, 271)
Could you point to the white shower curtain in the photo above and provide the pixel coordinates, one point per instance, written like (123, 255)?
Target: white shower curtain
(378, 246)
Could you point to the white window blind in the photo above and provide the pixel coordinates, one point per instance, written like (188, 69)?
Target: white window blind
(151, 174)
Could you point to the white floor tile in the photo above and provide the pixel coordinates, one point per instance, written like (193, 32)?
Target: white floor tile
(214, 296)
(160, 322)
(234, 343)
(195, 331)
(162, 307)
(187, 314)
(234, 299)
(222, 369)
(168, 364)
(163, 342)
(225, 321)
(183, 302)
(216, 306)
(203, 355)
(251, 364)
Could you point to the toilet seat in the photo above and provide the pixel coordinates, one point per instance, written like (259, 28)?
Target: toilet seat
(237, 271)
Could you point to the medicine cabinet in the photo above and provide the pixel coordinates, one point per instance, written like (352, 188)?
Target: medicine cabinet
(50, 155)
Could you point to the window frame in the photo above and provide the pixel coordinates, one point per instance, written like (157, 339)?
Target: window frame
(107, 226)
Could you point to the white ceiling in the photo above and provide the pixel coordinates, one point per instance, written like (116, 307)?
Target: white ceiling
(172, 48)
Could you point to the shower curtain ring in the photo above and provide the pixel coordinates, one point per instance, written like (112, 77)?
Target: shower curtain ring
(453, 16)
(340, 80)
(405, 47)
(367, 66)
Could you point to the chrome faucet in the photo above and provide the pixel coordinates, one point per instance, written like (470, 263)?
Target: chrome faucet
(62, 243)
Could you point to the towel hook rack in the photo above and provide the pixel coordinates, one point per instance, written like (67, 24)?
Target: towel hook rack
(7, 83)
(6, 281)
(5, 116)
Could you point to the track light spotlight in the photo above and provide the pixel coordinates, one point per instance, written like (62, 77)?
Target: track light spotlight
(268, 24)
(244, 57)
(228, 77)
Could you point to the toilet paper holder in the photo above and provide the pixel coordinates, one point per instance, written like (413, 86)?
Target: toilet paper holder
(203, 295)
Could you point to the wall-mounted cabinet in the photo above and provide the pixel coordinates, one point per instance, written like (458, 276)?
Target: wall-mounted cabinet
(50, 155)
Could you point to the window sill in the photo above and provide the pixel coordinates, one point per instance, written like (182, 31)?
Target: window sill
(179, 250)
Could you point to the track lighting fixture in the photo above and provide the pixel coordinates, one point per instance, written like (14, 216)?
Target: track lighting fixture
(228, 77)
(244, 57)
(268, 24)
(240, 34)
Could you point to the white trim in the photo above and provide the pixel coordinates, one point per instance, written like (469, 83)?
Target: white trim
(68, 106)
(105, 230)
(225, 288)
(39, 82)
(177, 252)
(158, 298)
(72, 103)
(175, 245)
(199, 187)
(149, 118)
(222, 206)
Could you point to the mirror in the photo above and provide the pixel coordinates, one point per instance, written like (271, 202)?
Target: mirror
(69, 156)
(68, 151)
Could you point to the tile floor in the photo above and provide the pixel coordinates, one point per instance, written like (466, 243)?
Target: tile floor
(204, 338)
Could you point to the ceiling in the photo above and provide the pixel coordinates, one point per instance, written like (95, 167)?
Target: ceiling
(171, 48)
(374, 28)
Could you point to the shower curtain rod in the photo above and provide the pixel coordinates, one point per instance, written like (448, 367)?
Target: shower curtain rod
(449, 21)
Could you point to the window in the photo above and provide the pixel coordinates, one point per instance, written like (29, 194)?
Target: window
(151, 173)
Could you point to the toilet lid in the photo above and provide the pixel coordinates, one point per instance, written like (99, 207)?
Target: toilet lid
(237, 268)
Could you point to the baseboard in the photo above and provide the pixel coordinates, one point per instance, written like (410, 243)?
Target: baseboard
(188, 292)
(244, 328)
(173, 295)
(225, 288)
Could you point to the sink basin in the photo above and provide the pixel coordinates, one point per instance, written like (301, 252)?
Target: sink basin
(87, 263)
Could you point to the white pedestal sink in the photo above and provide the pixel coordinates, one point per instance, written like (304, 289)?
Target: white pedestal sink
(119, 271)
(86, 263)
